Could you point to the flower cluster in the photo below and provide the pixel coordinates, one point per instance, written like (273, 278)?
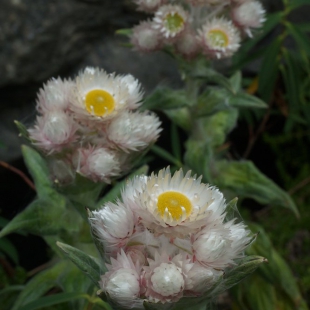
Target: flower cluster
(212, 27)
(91, 125)
(167, 238)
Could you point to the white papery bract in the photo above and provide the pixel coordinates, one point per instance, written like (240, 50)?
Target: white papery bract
(135, 92)
(113, 225)
(122, 282)
(98, 164)
(165, 278)
(134, 131)
(170, 20)
(219, 38)
(249, 15)
(201, 278)
(218, 245)
(55, 95)
(187, 45)
(149, 5)
(145, 38)
(177, 204)
(54, 131)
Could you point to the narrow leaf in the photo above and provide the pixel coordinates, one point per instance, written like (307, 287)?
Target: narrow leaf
(39, 171)
(9, 249)
(245, 180)
(165, 155)
(84, 262)
(56, 299)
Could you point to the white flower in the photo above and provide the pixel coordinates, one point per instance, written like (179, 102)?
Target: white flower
(149, 5)
(206, 2)
(98, 164)
(202, 278)
(170, 20)
(122, 282)
(177, 204)
(113, 225)
(249, 15)
(165, 279)
(145, 38)
(219, 38)
(218, 245)
(134, 131)
(135, 92)
(98, 96)
(54, 95)
(187, 44)
(53, 132)
(61, 170)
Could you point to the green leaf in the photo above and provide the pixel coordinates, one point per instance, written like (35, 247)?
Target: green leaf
(244, 100)
(199, 157)
(45, 217)
(56, 299)
(165, 155)
(11, 288)
(277, 272)
(180, 117)
(39, 285)
(9, 249)
(245, 267)
(294, 4)
(39, 171)
(22, 130)
(268, 72)
(299, 36)
(126, 32)
(165, 98)
(211, 75)
(235, 81)
(84, 262)
(245, 53)
(83, 191)
(245, 180)
(212, 100)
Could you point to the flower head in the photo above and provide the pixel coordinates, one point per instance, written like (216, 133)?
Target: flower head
(166, 278)
(145, 38)
(54, 95)
(170, 20)
(249, 15)
(219, 38)
(134, 131)
(177, 204)
(122, 281)
(53, 131)
(149, 5)
(98, 96)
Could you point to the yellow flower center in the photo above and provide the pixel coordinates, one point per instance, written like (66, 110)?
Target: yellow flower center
(218, 37)
(99, 102)
(174, 22)
(175, 203)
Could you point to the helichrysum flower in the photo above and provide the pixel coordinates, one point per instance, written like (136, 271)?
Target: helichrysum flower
(97, 163)
(187, 45)
(170, 20)
(133, 131)
(55, 95)
(149, 5)
(122, 282)
(177, 204)
(98, 96)
(145, 38)
(54, 131)
(219, 38)
(249, 15)
(91, 123)
(168, 238)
